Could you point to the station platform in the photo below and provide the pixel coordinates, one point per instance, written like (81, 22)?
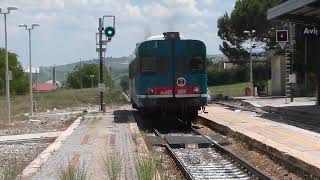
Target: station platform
(277, 101)
(299, 147)
(87, 145)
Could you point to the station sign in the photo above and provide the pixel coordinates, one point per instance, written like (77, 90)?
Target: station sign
(292, 78)
(310, 32)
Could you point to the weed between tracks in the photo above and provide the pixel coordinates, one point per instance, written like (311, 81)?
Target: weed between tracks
(148, 166)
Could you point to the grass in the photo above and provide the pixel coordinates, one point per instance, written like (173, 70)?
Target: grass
(233, 90)
(148, 166)
(112, 165)
(58, 99)
(72, 172)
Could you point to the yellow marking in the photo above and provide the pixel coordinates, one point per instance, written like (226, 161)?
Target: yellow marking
(292, 136)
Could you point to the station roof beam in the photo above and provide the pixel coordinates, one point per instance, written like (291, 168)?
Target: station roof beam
(297, 11)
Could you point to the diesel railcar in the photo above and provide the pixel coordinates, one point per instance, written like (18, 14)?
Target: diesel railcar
(168, 74)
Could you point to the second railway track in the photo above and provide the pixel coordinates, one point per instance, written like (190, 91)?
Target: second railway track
(208, 162)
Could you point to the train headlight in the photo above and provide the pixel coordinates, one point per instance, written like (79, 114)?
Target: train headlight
(151, 91)
(196, 90)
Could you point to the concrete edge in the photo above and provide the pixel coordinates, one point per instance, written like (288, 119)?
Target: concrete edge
(142, 148)
(28, 137)
(36, 164)
(291, 163)
(126, 96)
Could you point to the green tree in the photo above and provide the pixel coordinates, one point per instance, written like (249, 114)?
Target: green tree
(83, 73)
(19, 83)
(124, 82)
(247, 15)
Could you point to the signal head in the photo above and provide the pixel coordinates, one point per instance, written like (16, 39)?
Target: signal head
(282, 36)
(109, 31)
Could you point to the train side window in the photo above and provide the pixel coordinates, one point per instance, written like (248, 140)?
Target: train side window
(148, 65)
(180, 65)
(163, 65)
(197, 64)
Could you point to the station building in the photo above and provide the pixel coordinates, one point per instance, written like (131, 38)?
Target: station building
(304, 16)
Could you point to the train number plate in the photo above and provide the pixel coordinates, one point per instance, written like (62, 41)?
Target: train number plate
(181, 91)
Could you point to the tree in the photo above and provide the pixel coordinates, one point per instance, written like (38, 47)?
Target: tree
(247, 15)
(19, 83)
(83, 73)
(124, 82)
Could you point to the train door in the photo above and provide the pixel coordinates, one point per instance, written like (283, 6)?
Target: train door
(180, 76)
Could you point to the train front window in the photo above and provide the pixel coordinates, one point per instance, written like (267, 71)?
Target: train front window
(197, 64)
(148, 65)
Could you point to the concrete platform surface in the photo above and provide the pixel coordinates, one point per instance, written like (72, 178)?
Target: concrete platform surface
(94, 138)
(298, 143)
(277, 101)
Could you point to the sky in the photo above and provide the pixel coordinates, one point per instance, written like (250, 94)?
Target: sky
(67, 27)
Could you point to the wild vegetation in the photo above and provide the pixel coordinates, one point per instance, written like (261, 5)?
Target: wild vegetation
(73, 172)
(59, 99)
(124, 82)
(19, 83)
(80, 76)
(112, 165)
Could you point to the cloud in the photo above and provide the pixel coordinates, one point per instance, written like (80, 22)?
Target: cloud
(199, 25)
(68, 27)
(208, 2)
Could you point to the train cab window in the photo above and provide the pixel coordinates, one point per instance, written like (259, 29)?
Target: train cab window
(197, 64)
(148, 65)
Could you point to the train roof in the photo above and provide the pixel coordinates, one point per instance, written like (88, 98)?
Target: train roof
(162, 37)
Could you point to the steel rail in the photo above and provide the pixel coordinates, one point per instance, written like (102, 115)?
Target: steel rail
(259, 174)
(177, 161)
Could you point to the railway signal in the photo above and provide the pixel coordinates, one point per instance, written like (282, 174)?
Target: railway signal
(102, 47)
(282, 37)
(109, 32)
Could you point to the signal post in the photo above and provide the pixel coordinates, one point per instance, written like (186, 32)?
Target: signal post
(109, 33)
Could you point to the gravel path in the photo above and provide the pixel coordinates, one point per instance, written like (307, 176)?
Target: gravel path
(51, 121)
(17, 156)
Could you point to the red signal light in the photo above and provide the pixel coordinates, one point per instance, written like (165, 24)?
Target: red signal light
(282, 36)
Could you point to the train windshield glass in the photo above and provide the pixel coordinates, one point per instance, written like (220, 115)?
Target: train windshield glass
(154, 65)
(197, 64)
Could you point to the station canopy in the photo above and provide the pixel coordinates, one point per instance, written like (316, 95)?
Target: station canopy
(297, 11)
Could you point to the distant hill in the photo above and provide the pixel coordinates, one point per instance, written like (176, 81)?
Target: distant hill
(119, 68)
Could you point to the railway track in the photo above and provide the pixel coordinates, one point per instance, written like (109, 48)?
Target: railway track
(210, 162)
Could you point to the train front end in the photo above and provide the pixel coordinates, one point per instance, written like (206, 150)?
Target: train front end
(170, 76)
